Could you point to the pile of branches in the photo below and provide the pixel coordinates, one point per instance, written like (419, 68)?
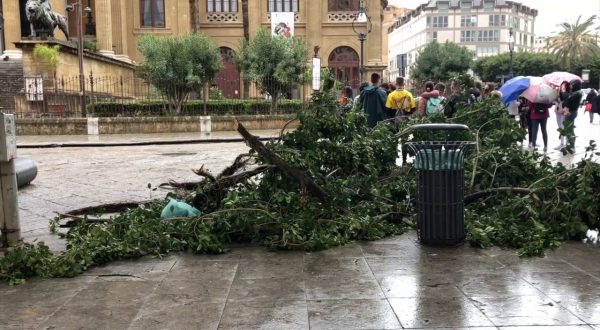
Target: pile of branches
(331, 181)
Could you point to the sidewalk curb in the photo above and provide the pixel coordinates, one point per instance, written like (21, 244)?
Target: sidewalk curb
(132, 144)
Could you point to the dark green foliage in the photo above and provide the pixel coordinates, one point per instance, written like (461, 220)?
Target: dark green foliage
(193, 108)
(524, 64)
(177, 66)
(439, 62)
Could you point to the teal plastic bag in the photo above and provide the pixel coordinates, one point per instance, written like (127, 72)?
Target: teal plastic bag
(177, 209)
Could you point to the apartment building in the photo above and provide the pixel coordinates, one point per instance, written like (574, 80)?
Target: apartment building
(482, 26)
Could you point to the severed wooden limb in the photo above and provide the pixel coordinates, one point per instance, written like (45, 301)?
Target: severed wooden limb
(108, 208)
(204, 173)
(306, 181)
(239, 162)
(285, 127)
(181, 185)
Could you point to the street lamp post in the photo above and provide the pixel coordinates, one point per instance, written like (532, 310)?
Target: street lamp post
(79, 16)
(511, 48)
(362, 17)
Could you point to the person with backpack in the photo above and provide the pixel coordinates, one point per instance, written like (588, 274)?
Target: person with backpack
(373, 100)
(425, 106)
(400, 103)
(538, 114)
(570, 107)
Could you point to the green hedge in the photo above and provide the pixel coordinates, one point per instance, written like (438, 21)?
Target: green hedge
(193, 108)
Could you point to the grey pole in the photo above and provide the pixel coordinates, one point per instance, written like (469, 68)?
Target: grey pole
(10, 230)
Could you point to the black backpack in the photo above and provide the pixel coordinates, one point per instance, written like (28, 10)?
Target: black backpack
(540, 107)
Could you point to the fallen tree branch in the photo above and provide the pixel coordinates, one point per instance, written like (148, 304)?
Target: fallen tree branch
(284, 127)
(191, 185)
(205, 174)
(469, 199)
(306, 181)
(108, 208)
(239, 162)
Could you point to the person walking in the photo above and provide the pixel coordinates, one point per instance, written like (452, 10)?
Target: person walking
(400, 103)
(428, 93)
(453, 100)
(524, 119)
(539, 114)
(589, 103)
(563, 94)
(373, 100)
(572, 106)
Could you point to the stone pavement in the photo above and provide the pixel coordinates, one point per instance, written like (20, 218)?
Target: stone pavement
(389, 284)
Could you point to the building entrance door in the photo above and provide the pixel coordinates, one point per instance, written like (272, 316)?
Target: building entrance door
(344, 65)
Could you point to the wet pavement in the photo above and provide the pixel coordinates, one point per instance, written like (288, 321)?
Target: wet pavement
(389, 284)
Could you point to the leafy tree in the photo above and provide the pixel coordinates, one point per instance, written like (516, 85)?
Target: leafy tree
(575, 43)
(524, 64)
(441, 61)
(274, 63)
(178, 66)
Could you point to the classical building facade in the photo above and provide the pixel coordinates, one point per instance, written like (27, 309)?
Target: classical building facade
(482, 26)
(113, 27)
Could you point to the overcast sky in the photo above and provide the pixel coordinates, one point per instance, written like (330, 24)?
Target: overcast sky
(551, 12)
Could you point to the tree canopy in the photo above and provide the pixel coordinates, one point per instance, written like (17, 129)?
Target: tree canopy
(576, 43)
(441, 61)
(524, 64)
(274, 63)
(178, 66)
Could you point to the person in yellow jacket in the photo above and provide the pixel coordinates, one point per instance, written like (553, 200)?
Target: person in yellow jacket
(400, 103)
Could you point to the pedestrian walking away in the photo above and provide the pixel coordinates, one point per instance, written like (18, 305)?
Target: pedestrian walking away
(565, 89)
(373, 100)
(539, 114)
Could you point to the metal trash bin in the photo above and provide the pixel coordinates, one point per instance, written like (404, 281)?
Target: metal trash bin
(440, 168)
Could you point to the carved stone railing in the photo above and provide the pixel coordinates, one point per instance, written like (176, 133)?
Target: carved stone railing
(341, 16)
(296, 17)
(221, 17)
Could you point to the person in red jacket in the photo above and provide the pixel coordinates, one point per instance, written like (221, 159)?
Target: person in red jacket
(539, 114)
(427, 94)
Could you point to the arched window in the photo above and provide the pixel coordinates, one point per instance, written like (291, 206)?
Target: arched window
(344, 65)
(344, 5)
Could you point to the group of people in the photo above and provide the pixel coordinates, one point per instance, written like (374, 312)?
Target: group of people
(534, 116)
(386, 102)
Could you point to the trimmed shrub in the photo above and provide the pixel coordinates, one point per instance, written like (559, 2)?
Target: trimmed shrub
(193, 108)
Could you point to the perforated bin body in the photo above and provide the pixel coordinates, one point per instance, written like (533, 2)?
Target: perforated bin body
(440, 205)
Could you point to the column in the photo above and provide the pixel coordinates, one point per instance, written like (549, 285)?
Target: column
(104, 28)
(373, 44)
(12, 28)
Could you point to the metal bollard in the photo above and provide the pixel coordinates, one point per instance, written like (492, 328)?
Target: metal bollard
(9, 208)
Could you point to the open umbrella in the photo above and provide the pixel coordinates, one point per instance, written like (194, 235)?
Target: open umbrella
(556, 78)
(514, 87)
(540, 93)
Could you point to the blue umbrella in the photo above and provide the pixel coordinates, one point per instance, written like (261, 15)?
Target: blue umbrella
(514, 87)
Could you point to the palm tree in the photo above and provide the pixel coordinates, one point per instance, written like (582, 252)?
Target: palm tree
(576, 43)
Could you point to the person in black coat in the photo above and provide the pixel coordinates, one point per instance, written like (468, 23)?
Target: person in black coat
(572, 102)
(590, 100)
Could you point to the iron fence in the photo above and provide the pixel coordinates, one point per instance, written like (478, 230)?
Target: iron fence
(110, 96)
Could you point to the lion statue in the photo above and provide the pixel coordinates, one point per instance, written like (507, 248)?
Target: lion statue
(43, 19)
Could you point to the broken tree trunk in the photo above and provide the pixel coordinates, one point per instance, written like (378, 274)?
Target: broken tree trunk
(306, 181)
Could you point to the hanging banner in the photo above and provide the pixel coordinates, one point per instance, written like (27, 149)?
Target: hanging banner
(282, 24)
(316, 73)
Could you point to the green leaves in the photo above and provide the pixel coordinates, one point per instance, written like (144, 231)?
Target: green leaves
(441, 61)
(178, 65)
(273, 62)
